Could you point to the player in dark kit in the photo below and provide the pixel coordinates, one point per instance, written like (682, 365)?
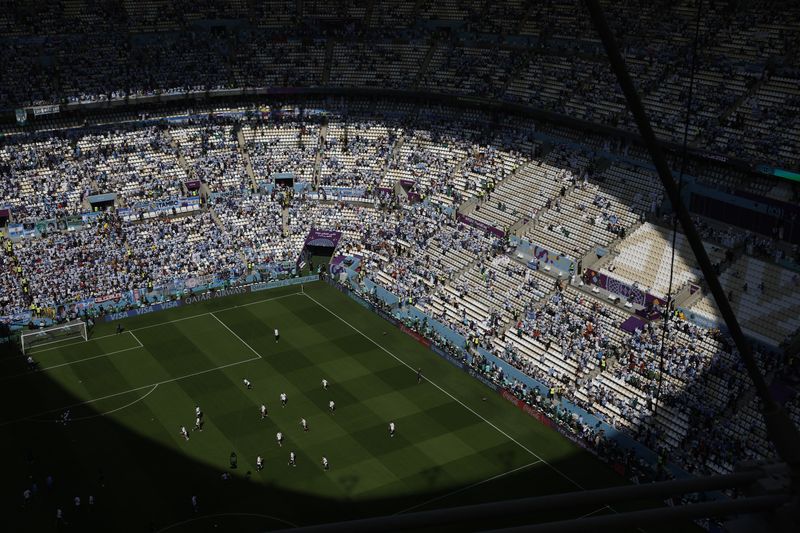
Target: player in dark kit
(419, 375)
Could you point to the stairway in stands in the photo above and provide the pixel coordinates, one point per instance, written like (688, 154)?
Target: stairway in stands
(426, 61)
(704, 137)
(246, 157)
(179, 153)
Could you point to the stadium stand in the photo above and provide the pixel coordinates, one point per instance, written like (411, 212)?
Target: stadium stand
(443, 196)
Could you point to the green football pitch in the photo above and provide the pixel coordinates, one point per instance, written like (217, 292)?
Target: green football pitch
(128, 394)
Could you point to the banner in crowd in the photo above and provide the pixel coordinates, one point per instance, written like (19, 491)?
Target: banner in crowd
(45, 110)
(73, 222)
(323, 238)
(37, 228)
(342, 192)
(534, 252)
(21, 231)
(633, 294)
(188, 284)
(166, 205)
(336, 265)
(105, 197)
(481, 225)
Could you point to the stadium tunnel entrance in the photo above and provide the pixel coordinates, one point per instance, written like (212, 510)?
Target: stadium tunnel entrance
(318, 250)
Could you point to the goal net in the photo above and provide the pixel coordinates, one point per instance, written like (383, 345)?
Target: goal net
(53, 335)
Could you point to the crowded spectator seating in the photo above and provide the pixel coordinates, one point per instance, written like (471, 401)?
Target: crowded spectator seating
(41, 178)
(138, 165)
(355, 154)
(468, 70)
(282, 147)
(370, 64)
(12, 292)
(429, 250)
(564, 339)
(263, 61)
(111, 257)
(213, 156)
(255, 223)
(429, 159)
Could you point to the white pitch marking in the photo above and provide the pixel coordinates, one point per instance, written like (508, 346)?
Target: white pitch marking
(93, 400)
(468, 408)
(12, 376)
(236, 335)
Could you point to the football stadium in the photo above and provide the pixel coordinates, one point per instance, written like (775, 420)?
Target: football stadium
(437, 265)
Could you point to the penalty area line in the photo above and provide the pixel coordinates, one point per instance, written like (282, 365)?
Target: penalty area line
(104, 413)
(153, 385)
(236, 335)
(69, 363)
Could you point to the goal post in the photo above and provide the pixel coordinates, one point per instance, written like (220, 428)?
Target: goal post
(53, 334)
